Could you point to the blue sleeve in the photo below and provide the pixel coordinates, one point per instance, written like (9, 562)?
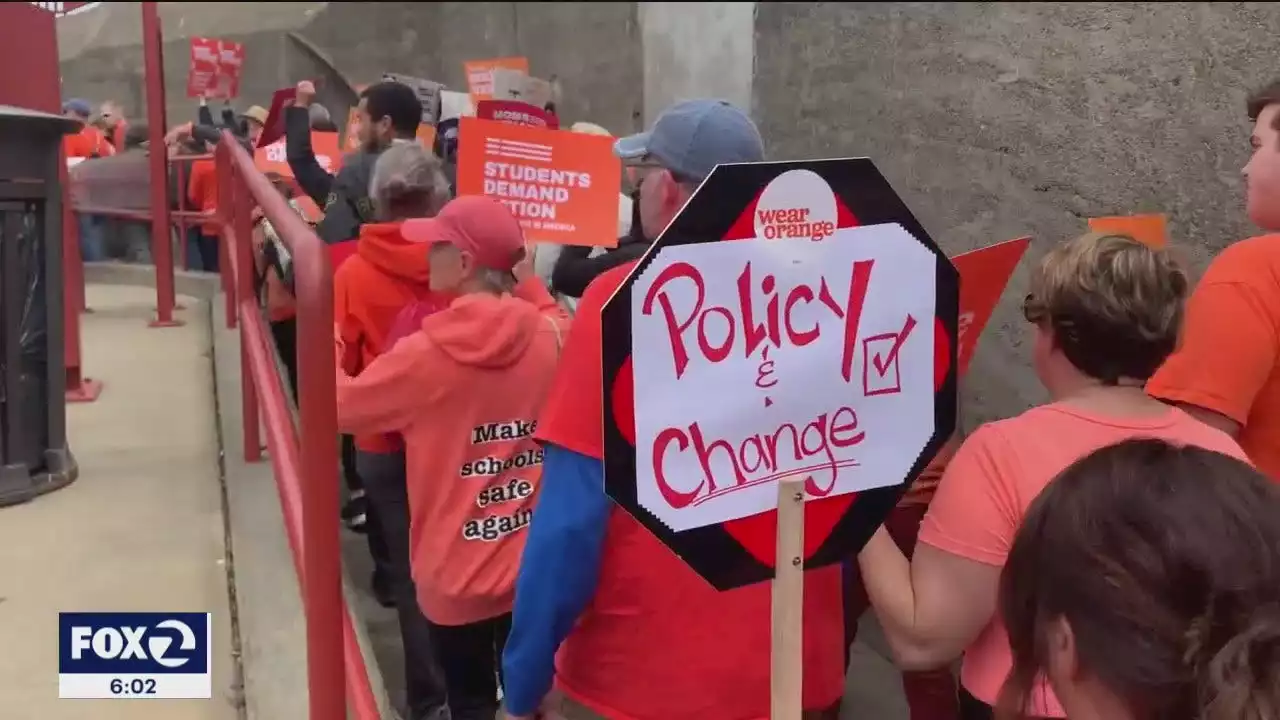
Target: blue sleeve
(569, 521)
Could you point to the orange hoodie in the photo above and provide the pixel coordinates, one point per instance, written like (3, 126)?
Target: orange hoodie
(465, 391)
(369, 291)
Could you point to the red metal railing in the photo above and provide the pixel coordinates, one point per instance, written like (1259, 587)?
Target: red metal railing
(334, 659)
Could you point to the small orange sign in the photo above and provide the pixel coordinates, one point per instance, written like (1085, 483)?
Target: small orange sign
(271, 158)
(984, 274)
(1149, 230)
(562, 186)
(480, 74)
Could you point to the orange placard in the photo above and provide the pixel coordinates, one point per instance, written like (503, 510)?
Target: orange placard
(271, 158)
(562, 186)
(984, 273)
(1147, 229)
(480, 74)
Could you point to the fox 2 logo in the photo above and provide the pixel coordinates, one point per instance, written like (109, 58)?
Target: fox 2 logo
(133, 643)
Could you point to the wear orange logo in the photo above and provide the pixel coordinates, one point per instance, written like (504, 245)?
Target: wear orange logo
(1149, 230)
(480, 74)
(562, 186)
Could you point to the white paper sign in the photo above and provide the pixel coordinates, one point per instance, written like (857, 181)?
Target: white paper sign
(428, 94)
(515, 85)
(757, 359)
(455, 104)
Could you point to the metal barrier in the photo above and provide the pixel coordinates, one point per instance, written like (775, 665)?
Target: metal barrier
(334, 660)
(337, 675)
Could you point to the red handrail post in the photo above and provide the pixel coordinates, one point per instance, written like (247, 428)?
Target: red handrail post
(161, 244)
(322, 580)
(226, 189)
(181, 257)
(79, 388)
(240, 233)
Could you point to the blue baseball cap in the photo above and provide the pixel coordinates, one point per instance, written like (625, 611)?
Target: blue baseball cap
(78, 106)
(693, 136)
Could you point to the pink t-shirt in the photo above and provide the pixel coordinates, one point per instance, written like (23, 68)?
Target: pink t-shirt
(996, 474)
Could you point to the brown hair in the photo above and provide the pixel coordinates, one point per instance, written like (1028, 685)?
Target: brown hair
(1261, 98)
(1164, 561)
(1115, 305)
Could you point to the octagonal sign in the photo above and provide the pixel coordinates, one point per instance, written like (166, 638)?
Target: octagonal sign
(793, 321)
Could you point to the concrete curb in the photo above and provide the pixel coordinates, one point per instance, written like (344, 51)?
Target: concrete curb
(272, 623)
(192, 284)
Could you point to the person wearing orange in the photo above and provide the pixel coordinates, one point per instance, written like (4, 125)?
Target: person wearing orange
(1106, 311)
(606, 613)
(86, 144)
(386, 273)
(465, 392)
(1226, 372)
(202, 239)
(930, 694)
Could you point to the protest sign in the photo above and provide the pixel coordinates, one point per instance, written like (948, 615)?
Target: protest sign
(984, 274)
(515, 112)
(480, 74)
(273, 128)
(793, 321)
(325, 145)
(428, 94)
(1146, 229)
(455, 105)
(562, 186)
(520, 86)
(215, 68)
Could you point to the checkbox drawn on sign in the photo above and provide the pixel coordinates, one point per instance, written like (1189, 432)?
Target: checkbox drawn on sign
(880, 371)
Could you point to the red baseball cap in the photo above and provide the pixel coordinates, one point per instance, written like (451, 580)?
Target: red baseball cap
(478, 225)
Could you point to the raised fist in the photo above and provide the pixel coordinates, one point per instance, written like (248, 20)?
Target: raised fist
(306, 92)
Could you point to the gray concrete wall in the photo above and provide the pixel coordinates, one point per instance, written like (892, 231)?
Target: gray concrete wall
(996, 120)
(694, 50)
(593, 49)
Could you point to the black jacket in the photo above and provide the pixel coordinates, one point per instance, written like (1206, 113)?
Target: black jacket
(344, 197)
(575, 269)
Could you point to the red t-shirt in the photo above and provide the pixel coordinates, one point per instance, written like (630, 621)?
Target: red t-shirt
(657, 641)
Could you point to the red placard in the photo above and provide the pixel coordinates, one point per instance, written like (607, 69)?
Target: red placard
(215, 68)
(273, 128)
(514, 112)
(984, 273)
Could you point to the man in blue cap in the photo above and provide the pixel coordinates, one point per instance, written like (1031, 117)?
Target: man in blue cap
(638, 634)
(86, 144)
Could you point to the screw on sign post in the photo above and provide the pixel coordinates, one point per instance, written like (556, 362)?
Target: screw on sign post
(790, 333)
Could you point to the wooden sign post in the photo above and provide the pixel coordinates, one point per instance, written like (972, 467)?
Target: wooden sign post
(786, 648)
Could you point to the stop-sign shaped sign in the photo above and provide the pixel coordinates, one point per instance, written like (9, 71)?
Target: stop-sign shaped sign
(794, 321)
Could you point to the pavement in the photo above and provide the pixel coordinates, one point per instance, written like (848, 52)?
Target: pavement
(140, 530)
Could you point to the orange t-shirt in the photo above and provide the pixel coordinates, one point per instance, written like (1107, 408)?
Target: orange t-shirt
(993, 478)
(1229, 357)
(89, 142)
(202, 191)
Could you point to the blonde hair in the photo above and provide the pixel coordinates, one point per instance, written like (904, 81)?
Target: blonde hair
(588, 128)
(408, 181)
(1114, 305)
